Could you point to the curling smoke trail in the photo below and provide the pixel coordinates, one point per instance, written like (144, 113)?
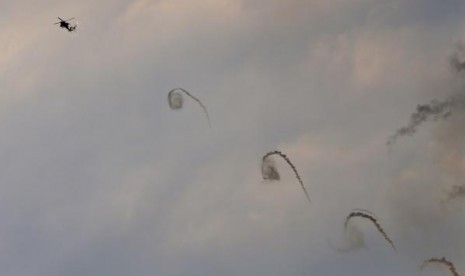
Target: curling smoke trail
(368, 215)
(442, 261)
(366, 212)
(175, 100)
(269, 171)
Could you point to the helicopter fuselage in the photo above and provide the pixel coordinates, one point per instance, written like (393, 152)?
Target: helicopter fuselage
(65, 24)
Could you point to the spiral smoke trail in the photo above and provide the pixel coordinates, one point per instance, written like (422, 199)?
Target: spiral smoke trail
(176, 100)
(442, 261)
(364, 214)
(270, 172)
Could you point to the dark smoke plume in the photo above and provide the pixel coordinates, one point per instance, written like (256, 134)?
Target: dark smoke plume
(433, 111)
(270, 172)
(457, 191)
(176, 100)
(442, 261)
(457, 60)
(368, 215)
(457, 64)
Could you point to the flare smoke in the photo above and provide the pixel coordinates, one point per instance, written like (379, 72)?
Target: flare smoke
(270, 172)
(368, 215)
(176, 100)
(442, 261)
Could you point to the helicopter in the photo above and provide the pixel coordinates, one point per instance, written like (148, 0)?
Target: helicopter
(65, 24)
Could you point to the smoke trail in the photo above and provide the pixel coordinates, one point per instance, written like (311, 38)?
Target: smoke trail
(433, 111)
(269, 171)
(365, 211)
(442, 261)
(363, 214)
(175, 101)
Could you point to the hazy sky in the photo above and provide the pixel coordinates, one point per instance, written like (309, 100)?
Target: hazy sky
(99, 177)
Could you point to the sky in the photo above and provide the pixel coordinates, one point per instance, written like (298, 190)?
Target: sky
(98, 176)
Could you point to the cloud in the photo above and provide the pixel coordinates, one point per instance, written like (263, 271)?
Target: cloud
(99, 176)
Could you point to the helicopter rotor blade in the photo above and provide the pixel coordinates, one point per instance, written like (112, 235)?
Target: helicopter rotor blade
(60, 19)
(70, 19)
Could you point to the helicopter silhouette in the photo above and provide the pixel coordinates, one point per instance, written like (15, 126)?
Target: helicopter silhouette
(65, 24)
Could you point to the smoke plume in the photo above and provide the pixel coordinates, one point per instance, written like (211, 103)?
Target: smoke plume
(457, 191)
(176, 100)
(436, 109)
(270, 172)
(367, 215)
(433, 111)
(457, 60)
(442, 261)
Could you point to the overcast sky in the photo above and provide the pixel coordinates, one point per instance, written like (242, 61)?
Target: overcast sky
(99, 177)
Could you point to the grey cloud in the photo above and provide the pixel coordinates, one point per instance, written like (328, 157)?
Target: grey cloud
(99, 176)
